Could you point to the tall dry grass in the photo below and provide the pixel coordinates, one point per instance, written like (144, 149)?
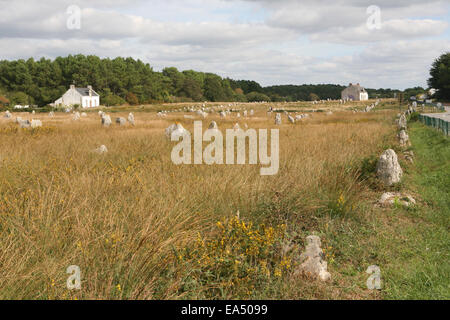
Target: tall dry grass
(122, 216)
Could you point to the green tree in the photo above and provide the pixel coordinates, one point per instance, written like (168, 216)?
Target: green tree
(192, 89)
(132, 99)
(110, 99)
(4, 101)
(440, 76)
(257, 97)
(176, 78)
(20, 97)
(213, 90)
(313, 97)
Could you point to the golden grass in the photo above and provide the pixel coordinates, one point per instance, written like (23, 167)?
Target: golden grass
(121, 216)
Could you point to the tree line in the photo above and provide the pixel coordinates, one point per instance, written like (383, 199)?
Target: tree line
(126, 80)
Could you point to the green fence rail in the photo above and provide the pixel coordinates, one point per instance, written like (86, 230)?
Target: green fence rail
(437, 123)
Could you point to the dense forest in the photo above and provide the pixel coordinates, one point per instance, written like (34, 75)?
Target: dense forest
(126, 80)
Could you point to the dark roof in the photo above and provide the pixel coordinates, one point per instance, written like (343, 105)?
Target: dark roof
(85, 92)
(361, 89)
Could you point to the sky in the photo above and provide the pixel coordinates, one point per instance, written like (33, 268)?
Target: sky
(377, 43)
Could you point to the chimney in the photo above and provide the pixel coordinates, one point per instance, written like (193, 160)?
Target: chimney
(351, 84)
(90, 90)
(72, 86)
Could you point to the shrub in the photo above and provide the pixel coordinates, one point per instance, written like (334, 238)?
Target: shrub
(132, 99)
(414, 117)
(112, 100)
(237, 260)
(257, 97)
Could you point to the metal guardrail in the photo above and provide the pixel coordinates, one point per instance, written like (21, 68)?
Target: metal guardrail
(437, 123)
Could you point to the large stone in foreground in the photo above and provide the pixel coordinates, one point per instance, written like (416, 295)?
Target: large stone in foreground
(388, 168)
(312, 260)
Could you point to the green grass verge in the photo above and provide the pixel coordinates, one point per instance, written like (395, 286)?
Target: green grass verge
(420, 268)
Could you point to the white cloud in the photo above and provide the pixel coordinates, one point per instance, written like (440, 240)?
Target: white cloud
(272, 42)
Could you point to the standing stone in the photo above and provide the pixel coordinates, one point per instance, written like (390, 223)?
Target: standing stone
(84, 114)
(8, 115)
(213, 126)
(176, 129)
(291, 119)
(388, 168)
(409, 156)
(121, 121)
(391, 198)
(312, 260)
(36, 123)
(106, 120)
(51, 114)
(76, 116)
(102, 149)
(24, 123)
(402, 122)
(131, 118)
(278, 119)
(403, 138)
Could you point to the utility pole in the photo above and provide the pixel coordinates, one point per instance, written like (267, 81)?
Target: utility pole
(400, 101)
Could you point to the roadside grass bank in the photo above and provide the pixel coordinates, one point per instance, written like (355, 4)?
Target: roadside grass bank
(420, 236)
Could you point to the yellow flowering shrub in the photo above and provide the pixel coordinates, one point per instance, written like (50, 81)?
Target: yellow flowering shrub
(236, 260)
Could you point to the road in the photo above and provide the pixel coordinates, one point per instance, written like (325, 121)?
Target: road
(445, 115)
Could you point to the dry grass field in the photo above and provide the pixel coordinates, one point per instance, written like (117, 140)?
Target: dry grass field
(141, 227)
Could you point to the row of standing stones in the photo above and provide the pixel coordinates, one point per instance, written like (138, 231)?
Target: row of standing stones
(24, 123)
(389, 170)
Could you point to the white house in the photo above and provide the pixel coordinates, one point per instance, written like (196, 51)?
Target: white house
(354, 92)
(84, 97)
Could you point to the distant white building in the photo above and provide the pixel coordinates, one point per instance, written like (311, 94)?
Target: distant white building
(354, 92)
(84, 97)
